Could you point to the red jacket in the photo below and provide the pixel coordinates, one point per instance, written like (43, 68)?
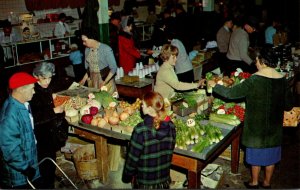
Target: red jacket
(128, 53)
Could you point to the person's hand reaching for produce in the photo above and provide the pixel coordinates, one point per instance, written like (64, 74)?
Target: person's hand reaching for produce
(201, 83)
(211, 83)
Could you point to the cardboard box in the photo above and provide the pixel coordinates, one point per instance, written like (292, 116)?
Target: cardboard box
(197, 72)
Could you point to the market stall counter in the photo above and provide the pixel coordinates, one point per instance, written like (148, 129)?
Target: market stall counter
(104, 127)
(193, 162)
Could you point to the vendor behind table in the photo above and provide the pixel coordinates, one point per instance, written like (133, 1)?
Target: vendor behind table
(100, 62)
(166, 79)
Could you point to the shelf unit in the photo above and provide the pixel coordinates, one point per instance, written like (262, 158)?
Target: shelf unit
(38, 47)
(145, 30)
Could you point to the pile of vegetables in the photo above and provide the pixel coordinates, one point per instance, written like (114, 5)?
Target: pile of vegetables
(191, 132)
(132, 120)
(104, 98)
(193, 97)
(239, 76)
(228, 113)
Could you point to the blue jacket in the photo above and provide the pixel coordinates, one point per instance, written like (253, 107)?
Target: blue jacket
(76, 57)
(17, 144)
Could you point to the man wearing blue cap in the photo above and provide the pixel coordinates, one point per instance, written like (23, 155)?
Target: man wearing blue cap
(18, 155)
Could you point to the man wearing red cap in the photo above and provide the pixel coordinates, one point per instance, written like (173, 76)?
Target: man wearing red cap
(18, 155)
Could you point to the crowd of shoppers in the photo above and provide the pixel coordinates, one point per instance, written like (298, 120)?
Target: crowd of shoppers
(25, 132)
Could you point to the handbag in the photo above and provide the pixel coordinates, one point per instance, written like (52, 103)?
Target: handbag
(59, 131)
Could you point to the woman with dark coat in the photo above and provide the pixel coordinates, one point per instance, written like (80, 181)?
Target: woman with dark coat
(44, 114)
(267, 96)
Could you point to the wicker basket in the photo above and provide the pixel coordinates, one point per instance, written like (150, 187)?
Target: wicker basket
(85, 162)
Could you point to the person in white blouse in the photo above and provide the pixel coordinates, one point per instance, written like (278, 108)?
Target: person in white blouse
(61, 28)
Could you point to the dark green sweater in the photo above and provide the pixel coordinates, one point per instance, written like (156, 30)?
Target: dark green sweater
(266, 99)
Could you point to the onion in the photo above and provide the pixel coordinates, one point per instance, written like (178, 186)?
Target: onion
(112, 104)
(115, 114)
(113, 120)
(101, 122)
(87, 118)
(123, 116)
(105, 118)
(94, 121)
(128, 110)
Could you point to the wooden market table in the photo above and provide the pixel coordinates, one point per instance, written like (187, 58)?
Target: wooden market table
(193, 162)
(135, 89)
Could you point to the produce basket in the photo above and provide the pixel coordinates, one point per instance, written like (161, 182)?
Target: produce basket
(85, 162)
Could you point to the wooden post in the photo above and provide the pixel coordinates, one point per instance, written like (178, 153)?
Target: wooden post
(101, 154)
(103, 18)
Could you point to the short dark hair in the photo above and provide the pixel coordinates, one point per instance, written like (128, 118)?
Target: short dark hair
(6, 24)
(268, 56)
(252, 21)
(115, 15)
(62, 16)
(90, 33)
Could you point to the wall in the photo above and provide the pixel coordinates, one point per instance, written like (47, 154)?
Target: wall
(19, 7)
(6, 6)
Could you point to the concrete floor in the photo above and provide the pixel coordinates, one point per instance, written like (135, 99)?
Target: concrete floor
(286, 175)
